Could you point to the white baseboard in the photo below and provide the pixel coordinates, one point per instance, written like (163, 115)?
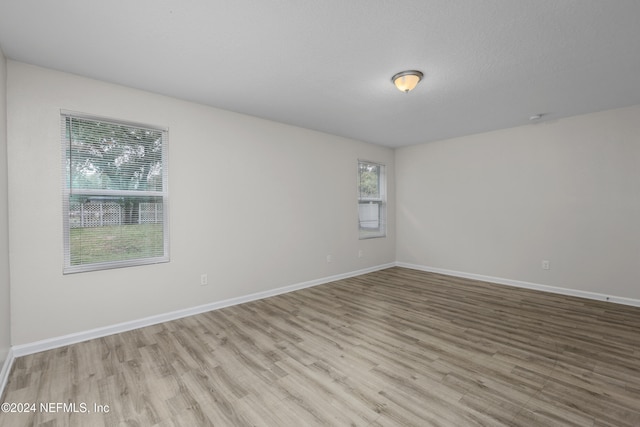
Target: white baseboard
(6, 369)
(527, 285)
(51, 343)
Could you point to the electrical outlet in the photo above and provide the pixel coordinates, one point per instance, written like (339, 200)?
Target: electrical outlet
(329, 258)
(204, 280)
(360, 253)
(545, 264)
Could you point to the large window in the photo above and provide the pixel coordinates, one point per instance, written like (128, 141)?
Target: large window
(115, 198)
(372, 200)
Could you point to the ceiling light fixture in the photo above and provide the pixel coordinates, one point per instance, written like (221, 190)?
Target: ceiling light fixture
(407, 80)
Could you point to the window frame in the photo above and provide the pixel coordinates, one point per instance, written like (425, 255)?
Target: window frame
(381, 202)
(108, 194)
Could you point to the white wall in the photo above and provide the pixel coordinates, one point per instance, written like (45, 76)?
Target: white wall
(221, 166)
(5, 309)
(498, 203)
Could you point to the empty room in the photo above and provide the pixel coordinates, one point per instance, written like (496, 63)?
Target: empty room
(296, 213)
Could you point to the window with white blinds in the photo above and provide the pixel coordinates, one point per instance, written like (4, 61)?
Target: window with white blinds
(372, 200)
(115, 193)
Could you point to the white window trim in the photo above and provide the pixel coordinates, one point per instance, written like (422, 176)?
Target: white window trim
(66, 193)
(381, 202)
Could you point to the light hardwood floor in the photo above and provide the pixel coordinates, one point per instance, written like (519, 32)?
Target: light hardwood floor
(393, 348)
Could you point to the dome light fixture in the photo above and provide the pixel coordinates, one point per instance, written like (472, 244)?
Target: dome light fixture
(406, 81)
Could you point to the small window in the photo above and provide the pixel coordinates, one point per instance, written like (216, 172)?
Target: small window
(115, 198)
(372, 200)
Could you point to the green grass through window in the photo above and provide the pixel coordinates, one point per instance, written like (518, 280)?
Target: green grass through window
(91, 245)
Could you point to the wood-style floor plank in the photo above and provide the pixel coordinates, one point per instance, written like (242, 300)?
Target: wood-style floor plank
(396, 347)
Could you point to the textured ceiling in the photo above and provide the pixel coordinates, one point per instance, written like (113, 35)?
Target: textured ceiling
(326, 65)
